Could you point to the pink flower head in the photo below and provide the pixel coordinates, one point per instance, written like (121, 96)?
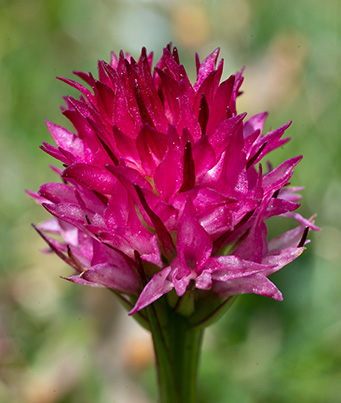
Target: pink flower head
(162, 189)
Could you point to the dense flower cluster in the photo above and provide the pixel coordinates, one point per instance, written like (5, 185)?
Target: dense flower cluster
(162, 189)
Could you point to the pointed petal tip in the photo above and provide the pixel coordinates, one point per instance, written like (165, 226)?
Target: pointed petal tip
(312, 220)
(278, 296)
(134, 310)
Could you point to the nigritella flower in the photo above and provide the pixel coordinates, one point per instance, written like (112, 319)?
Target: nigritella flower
(162, 190)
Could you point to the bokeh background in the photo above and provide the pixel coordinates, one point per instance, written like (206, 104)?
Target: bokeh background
(64, 343)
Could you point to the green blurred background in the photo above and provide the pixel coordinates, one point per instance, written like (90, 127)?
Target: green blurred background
(63, 343)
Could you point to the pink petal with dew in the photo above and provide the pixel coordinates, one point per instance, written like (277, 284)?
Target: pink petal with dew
(129, 177)
(118, 277)
(169, 88)
(206, 67)
(186, 119)
(286, 240)
(155, 288)
(105, 100)
(58, 153)
(204, 281)
(74, 214)
(254, 247)
(120, 211)
(78, 87)
(151, 146)
(254, 123)
(216, 220)
(36, 196)
(207, 90)
(223, 133)
(279, 206)
(290, 193)
(203, 156)
(301, 220)
(168, 64)
(168, 175)
(218, 111)
(58, 193)
(227, 268)
(128, 241)
(194, 245)
(91, 177)
(279, 177)
(51, 226)
(256, 284)
(66, 139)
(181, 276)
(281, 259)
(235, 91)
(126, 147)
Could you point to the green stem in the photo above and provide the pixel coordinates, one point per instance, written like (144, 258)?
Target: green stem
(177, 348)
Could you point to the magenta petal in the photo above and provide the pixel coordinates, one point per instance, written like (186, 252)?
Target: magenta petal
(119, 277)
(229, 175)
(78, 86)
(216, 220)
(129, 178)
(51, 225)
(152, 147)
(206, 67)
(223, 133)
(290, 193)
(256, 122)
(204, 281)
(279, 176)
(111, 269)
(282, 258)
(36, 196)
(203, 156)
(80, 280)
(105, 99)
(155, 288)
(254, 247)
(206, 93)
(65, 139)
(126, 147)
(120, 211)
(67, 212)
(235, 91)
(194, 245)
(286, 240)
(227, 268)
(301, 220)
(58, 192)
(73, 214)
(164, 236)
(215, 211)
(168, 175)
(92, 177)
(169, 89)
(181, 276)
(187, 118)
(57, 153)
(279, 206)
(256, 284)
(218, 111)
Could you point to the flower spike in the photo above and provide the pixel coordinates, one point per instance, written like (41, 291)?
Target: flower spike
(163, 190)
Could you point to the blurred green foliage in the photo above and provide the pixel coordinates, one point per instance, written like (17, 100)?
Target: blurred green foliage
(63, 343)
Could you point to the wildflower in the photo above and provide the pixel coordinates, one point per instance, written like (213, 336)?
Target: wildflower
(162, 188)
